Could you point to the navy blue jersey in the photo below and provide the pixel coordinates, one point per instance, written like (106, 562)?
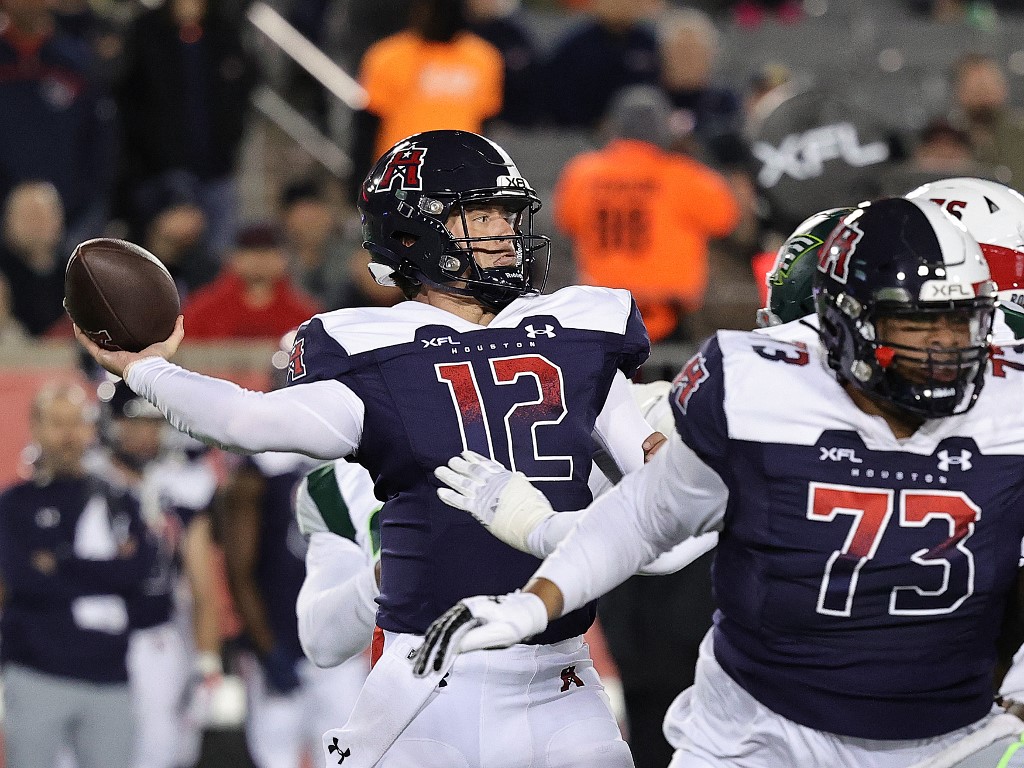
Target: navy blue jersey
(525, 390)
(73, 621)
(281, 560)
(860, 578)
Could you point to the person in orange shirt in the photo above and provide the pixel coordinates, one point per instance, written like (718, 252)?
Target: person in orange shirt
(434, 74)
(640, 217)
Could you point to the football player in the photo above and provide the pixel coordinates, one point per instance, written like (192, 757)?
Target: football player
(477, 359)
(870, 520)
(174, 661)
(291, 702)
(994, 215)
(339, 515)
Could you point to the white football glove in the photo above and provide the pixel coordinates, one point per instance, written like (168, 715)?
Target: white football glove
(503, 501)
(477, 623)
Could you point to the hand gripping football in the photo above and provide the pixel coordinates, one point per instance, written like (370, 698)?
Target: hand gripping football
(120, 295)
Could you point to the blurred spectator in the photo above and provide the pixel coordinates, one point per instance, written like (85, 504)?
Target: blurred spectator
(360, 24)
(175, 642)
(754, 13)
(316, 244)
(11, 331)
(703, 113)
(995, 129)
(433, 74)
(975, 13)
(763, 82)
(73, 552)
(291, 702)
(640, 217)
(732, 297)
(941, 151)
(499, 22)
(647, 8)
(595, 59)
(174, 230)
(252, 297)
(184, 101)
(56, 123)
(31, 257)
(78, 19)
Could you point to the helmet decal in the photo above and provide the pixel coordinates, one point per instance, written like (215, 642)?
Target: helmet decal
(403, 167)
(834, 257)
(789, 281)
(796, 247)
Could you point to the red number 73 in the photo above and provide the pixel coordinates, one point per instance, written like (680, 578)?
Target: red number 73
(871, 510)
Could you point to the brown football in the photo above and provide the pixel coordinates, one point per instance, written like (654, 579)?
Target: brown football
(120, 295)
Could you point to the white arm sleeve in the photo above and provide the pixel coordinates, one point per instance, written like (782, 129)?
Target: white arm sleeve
(621, 428)
(681, 555)
(545, 538)
(323, 419)
(674, 496)
(336, 607)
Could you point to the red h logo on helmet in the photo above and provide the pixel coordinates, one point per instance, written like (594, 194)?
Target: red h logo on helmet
(834, 257)
(404, 167)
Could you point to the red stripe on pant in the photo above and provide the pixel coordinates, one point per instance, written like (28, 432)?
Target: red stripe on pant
(376, 646)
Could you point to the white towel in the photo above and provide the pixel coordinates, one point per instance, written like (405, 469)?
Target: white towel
(389, 700)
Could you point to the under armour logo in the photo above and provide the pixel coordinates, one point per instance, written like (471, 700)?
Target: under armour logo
(332, 748)
(946, 461)
(569, 677)
(547, 330)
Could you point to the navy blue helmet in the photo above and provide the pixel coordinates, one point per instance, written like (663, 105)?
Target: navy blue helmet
(907, 260)
(408, 196)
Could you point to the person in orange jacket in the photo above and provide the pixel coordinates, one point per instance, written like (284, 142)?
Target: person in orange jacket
(640, 217)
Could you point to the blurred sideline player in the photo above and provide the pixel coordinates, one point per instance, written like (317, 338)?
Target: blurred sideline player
(291, 702)
(476, 359)
(73, 553)
(822, 561)
(339, 515)
(174, 653)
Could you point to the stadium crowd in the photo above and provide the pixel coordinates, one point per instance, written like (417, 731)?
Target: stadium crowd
(149, 581)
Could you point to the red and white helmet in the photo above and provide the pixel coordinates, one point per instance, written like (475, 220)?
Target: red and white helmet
(994, 215)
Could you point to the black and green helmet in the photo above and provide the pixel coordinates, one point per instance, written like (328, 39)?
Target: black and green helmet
(789, 282)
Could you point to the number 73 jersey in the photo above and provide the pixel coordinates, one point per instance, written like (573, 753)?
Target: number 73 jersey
(860, 578)
(525, 390)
